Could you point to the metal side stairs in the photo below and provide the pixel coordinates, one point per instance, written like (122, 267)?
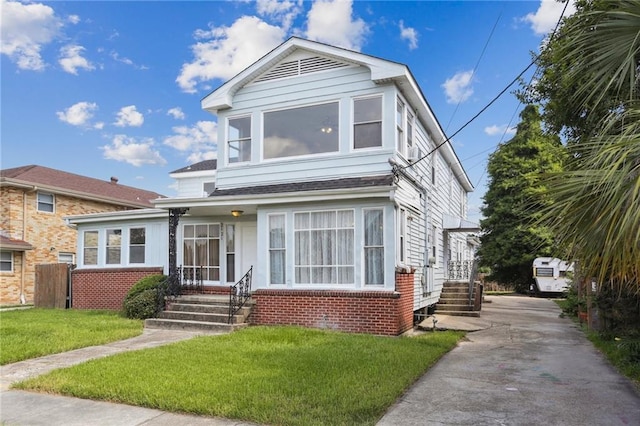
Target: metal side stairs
(200, 312)
(456, 301)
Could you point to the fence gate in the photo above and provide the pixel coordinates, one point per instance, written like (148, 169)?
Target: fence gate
(52, 285)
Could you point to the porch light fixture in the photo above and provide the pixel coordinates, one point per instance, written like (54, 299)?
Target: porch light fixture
(236, 213)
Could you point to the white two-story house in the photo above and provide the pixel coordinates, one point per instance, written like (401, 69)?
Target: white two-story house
(333, 182)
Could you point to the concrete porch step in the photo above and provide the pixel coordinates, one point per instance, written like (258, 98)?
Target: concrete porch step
(454, 307)
(222, 309)
(458, 313)
(172, 324)
(201, 316)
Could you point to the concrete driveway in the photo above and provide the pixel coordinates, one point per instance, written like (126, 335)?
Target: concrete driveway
(527, 367)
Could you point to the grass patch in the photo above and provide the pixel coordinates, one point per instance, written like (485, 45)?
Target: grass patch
(622, 356)
(272, 375)
(37, 332)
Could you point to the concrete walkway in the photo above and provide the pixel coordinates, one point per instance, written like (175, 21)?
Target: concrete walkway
(526, 366)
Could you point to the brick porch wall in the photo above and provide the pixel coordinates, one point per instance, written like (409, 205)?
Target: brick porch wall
(105, 288)
(372, 312)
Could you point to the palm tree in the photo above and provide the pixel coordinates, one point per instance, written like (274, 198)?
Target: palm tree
(596, 213)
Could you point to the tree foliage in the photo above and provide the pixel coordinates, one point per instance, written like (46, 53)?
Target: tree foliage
(516, 194)
(590, 84)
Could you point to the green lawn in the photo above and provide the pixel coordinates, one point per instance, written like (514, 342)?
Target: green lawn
(272, 375)
(31, 333)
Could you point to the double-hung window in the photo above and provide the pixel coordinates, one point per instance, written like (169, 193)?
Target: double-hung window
(114, 246)
(137, 240)
(239, 140)
(367, 122)
(373, 247)
(90, 248)
(46, 202)
(324, 247)
(400, 125)
(277, 249)
(6, 261)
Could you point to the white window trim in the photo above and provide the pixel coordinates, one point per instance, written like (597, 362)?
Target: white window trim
(352, 146)
(83, 248)
(304, 156)
(125, 245)
(226, 140)
(130, 245)
(11, 261)
(402, 239)
(53, 202)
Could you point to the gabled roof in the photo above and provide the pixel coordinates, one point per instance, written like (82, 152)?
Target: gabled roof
(206, 165)
(381, 69)
(12, 244)
(59, 182)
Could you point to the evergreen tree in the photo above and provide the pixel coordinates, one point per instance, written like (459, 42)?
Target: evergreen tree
(516, 194)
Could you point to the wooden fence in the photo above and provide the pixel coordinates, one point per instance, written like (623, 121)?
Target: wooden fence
(52, 285)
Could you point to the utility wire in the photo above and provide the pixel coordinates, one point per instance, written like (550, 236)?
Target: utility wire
(491, 102)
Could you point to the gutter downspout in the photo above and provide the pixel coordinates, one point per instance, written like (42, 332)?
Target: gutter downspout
(23, 268)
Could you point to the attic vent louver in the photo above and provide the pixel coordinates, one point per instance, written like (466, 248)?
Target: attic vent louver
(300, 67)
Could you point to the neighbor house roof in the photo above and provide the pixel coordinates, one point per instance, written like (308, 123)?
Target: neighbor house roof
(202, 166)
(60, 182)
(7, 243)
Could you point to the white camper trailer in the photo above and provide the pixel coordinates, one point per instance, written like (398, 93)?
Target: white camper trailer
(552, 275)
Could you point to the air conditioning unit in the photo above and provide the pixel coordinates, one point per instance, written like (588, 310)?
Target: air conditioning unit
(414, 154)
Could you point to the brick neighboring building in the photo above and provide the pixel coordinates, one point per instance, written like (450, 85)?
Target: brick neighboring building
(34, 200)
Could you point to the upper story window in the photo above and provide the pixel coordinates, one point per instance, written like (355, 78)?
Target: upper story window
(405, 124)
(239, 140)
(367, 122)
(306, 130)
(400, 124)
(6, 261)
(208, 188)
(46, 202)
(114, 246)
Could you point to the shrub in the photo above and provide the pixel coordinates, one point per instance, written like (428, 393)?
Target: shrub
(146, 298)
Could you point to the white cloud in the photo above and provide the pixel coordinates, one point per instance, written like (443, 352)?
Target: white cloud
(499, 130)
(129, 150)
(71, 59)
(331, 22)
(79, 114)
(199, 140)
(409, 34)
(544, 20)
(73, 19)
(129, 116)
(197, 157)
(228, 50)
(284, 11)
(25, 29)
(116, 57)
(458, 88)
(176, 113)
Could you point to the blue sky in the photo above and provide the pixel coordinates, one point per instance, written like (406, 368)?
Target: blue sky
(107, 89)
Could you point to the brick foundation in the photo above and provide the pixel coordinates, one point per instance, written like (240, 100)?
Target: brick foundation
(105, 288)
(372, 312)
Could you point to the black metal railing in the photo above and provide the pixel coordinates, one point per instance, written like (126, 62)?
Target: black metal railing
(239, 294)
(460, 269)
(191, 279)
